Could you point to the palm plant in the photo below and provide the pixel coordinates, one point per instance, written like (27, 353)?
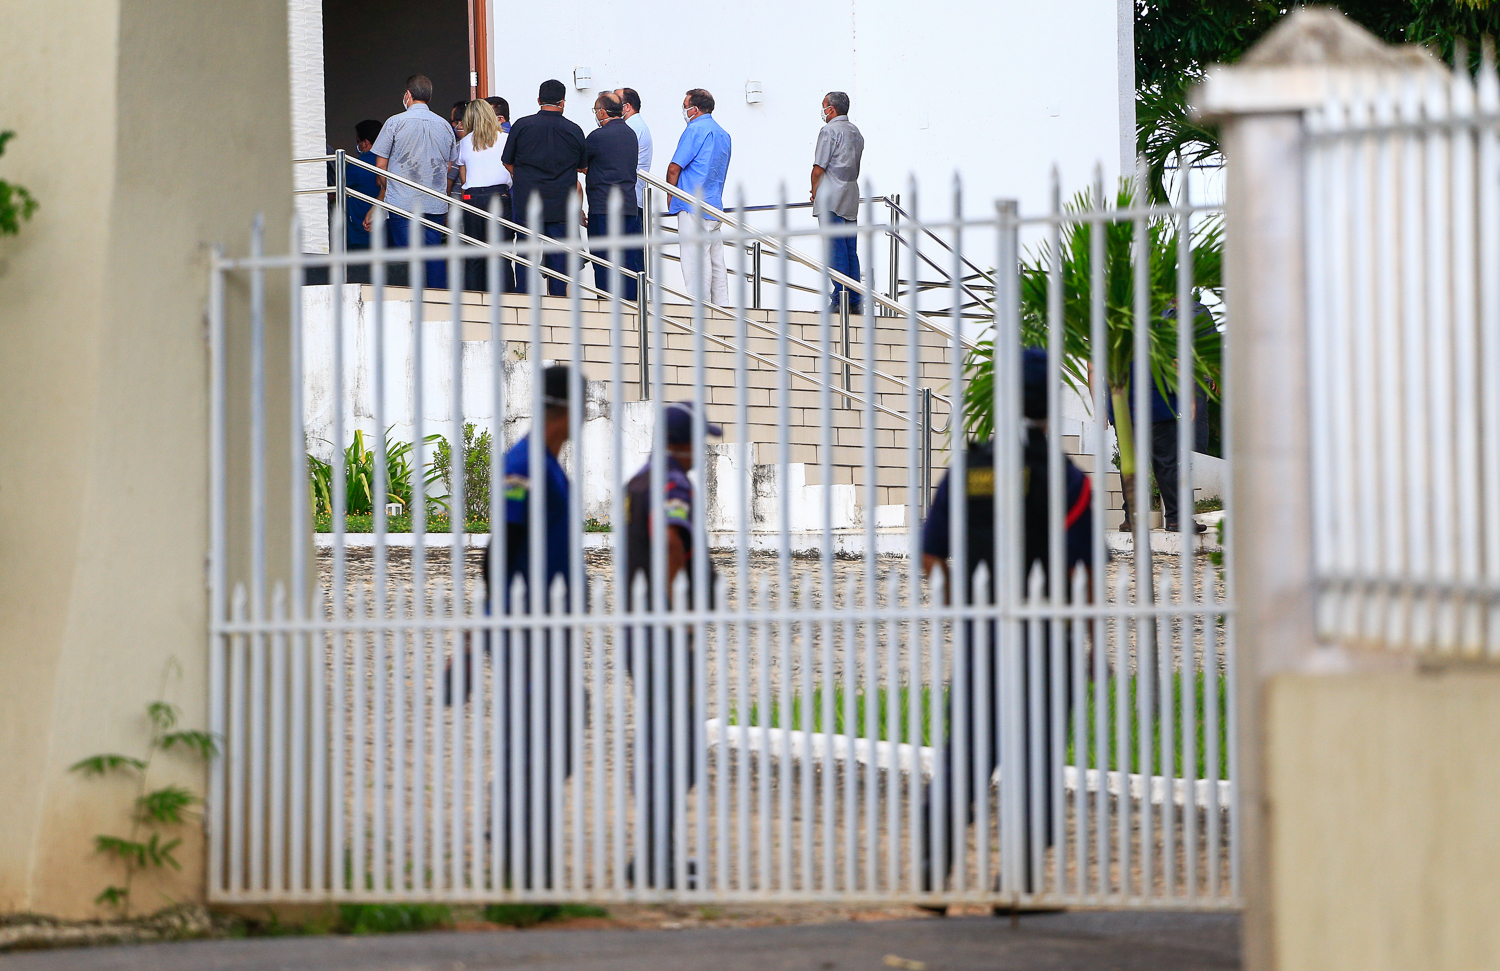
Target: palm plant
(1206, 248)
(360, 476)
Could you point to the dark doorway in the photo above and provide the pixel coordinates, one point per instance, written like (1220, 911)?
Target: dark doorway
(370, 48)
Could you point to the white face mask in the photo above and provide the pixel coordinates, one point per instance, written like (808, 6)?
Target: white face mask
(823, 115)
(686, 116)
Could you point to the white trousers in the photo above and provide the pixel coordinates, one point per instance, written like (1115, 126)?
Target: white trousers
(703, 269)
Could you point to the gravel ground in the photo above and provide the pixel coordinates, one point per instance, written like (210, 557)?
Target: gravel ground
(795, 830)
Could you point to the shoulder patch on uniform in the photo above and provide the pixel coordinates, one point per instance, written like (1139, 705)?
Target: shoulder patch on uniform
(516, 486)
(676, 508)
(982, 481)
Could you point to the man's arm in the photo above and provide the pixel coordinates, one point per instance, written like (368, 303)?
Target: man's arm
(676, 557)
(817, 176)
(384, 164)
(674, 172)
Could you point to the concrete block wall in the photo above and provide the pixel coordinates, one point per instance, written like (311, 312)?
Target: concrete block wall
(600, 341)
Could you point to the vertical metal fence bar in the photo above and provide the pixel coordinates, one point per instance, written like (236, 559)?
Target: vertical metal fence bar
(218, 644)
(871, 600)
(1140, 387)
(426, 851)
(783, 631)
(1365, 367)
(763, 706)
(600, 634)
(1488, 270)
(916, 505)
(1388, 329)
(238, 651)
(1188, 324)
(1057, 571)
(1440, 336)
(1462, 220)
(357, 728)
(697, 649)
(620, 584)
(257, 701)
(823, 672)
(744, 486)
(571, 644)
(389, 844)
(300, 529)
(536, 754)
(1098, 553)
(1414, 352)
(652, 659)
(949, 781)
(457, 686)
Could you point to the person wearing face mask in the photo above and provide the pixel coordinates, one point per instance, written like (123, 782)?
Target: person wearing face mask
(630, 100)
(835, 189)
(609, 154)
(417, 145)
(544, 152)
(699, 168)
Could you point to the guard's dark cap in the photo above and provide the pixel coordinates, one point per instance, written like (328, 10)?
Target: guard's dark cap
(680, 423)
(1034, 383)
(555, 380)
(551, 92)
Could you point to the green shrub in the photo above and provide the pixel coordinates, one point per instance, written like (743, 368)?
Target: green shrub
(360, 473)
(393, 918)
(16, 203)
(476, 464)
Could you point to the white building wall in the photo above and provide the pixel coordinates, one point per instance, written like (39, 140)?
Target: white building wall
(997, 91)
(305, 49)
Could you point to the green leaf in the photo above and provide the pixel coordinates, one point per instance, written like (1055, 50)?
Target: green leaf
(127, 850)
(163, 716)
(205, 744)
(100, 764)
(165, 805)
(114, 896)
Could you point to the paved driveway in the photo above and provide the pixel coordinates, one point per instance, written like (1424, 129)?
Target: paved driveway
(1077, 941)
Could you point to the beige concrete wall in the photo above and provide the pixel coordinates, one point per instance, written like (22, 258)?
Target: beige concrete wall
(1384, 795)
(103, 397)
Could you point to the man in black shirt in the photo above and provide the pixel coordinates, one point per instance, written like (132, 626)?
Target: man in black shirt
(544, 153)
(609, 155)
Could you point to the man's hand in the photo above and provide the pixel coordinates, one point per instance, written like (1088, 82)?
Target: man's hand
(368, 217)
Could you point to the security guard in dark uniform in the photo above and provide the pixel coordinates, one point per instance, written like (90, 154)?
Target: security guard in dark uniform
(652, 665)
(980, 542)
(523, 667)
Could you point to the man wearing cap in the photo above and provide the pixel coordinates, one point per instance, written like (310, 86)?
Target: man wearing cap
(979, 540)
(523, 665)
(653, 665)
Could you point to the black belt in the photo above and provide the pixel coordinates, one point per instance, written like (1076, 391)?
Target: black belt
(486, 190)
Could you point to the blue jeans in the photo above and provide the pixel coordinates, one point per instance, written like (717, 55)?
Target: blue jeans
(552, 261)
(843, 256)
(399, 231)
(630, 259)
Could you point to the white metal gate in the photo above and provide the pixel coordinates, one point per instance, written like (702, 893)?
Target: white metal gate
(830, 724)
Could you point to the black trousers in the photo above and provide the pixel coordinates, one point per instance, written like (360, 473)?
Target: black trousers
(664, 753)
(476, 270)
(1164, 467)
(524, 670)
(1036, 778)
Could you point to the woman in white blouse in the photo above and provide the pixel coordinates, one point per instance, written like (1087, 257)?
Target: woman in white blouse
(484, 177)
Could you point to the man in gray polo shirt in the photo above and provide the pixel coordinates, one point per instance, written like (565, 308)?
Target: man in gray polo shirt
(835, 188)
(417, 145)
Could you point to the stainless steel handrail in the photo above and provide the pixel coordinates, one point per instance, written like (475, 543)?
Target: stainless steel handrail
(807, 261)
(542, 240)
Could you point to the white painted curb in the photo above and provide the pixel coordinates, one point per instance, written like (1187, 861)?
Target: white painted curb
(802, 746)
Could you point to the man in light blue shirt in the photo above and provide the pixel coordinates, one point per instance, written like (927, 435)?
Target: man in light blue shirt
(699, 167)
(631, 100)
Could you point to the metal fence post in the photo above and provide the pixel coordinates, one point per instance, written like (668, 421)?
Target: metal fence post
(341, 202)
(642, 335)
(755, 275)
(925, 419)
(893, 275)
(844, 339)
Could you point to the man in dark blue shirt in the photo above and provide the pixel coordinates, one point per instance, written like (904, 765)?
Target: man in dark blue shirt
(544, 152)
(979, 538)
(609, 155)
(526, 665)
(356, 236)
